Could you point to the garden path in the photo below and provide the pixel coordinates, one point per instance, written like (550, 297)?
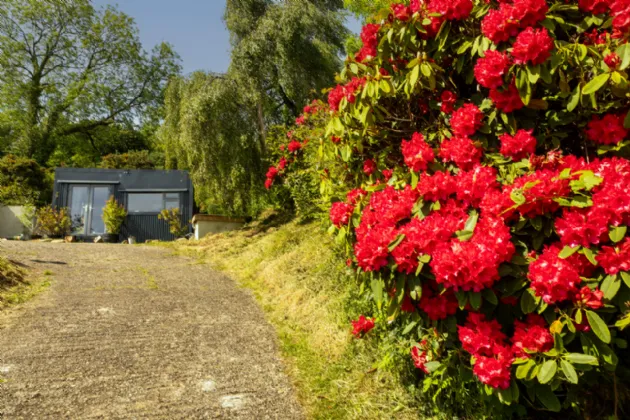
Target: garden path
(135, 331)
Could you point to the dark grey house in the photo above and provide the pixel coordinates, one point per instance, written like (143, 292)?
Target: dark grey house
(144, 193)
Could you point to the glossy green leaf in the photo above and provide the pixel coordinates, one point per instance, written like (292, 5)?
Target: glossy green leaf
(582, 359)
(617, 233)
(548, 398)
(547, 371)
(567, 251)
(569, 371)
(596, 84)
(598, 326)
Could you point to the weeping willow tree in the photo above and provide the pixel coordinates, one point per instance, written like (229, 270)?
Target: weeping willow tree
(210, 130)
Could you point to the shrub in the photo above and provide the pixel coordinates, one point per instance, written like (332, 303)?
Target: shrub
(23, 181)
(53, 222)
(114, 215)
(134, 159)
(476, 158)
(174, 220)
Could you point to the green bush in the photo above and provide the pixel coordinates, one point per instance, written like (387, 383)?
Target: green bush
(23, 181)
(114, 215)
(53, 223)
(174, 219)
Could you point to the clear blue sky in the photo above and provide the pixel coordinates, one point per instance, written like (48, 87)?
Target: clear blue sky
(194, 27)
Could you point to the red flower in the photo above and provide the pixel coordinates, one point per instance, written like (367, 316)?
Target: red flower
(335, 139)
(272, 172)
(614, 259)
(620, 11)
(596, 7)
(340, 213)
(462, 151)
(495, 371)
(355, 195)
(532, 335)
(452, 9)
(507, 100)
(294, 146)
(369, 36)
(582, 227)
(529, 12)
(439, 306)
(416, 5)
(553, 278)
(518, 146)
(471, 186)
(499, 25)
(417, 153)
(608, 130)
(419, 359)
(448, 99)
(540, 189)
(362, 326)
(590, 298)
(268, 183)
(387, 174)
(466, 120)
(479, 336)
(612, 60)
(282, 164)
(433, 28)
(407, 305)
(401, 12)
(369, 167)
(438, 186)
(533, 46)
(489, 70)
(300, 120)
(346, 91)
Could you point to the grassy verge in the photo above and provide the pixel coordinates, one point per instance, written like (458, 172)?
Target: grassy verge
(15, 287)
(302, 288)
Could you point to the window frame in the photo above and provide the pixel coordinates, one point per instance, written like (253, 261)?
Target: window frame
(164, 201)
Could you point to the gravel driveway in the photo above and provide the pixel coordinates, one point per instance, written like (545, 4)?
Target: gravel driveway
(136, 332)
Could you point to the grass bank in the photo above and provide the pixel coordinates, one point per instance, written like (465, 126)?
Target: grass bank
(303, 289)
(15, 286)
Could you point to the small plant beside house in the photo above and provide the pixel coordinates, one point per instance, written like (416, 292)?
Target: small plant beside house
(53, 223)
(174, 220)
(114, 215)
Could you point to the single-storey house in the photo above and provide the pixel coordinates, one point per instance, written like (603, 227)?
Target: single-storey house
(144, 193)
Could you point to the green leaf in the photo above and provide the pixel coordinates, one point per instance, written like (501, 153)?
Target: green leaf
(595, 84)
(377, 290)
(626, 121)
(523, 86)
(569, 371)
(518, 197)
(409, 327)
(432, 366)
(574, 100)
(617, 233)
(547, 371)
(385, 86)
(598, 326)
(567, 251)
(548, 398)
(475, 299)
(582, 359)
(415, 75)
(625, 276)
(489, 295)
(528, 302)
(589, 255)
(469, 228)
(623, 51)
(522, 372)
(610, 286)
(393, 244)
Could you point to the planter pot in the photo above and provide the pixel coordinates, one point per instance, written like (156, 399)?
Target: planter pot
(110, 238)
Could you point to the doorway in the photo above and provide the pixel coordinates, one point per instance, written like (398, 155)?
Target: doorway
(86, 204)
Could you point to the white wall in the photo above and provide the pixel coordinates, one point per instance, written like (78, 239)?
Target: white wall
(10, 224)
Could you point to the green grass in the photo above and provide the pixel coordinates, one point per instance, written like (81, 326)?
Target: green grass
(15, 286)
(306, 296)
(151, 282)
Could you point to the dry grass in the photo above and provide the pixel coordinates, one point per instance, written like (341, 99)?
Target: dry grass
(302, 287)
(15, 287)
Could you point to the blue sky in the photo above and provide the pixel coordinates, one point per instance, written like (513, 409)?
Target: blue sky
(194, 27)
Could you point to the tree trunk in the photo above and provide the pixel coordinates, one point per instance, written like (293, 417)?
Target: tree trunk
(263, 130)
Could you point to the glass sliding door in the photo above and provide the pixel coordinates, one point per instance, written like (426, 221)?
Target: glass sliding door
(86, 204)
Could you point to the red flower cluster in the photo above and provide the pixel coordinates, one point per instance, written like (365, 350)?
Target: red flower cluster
(347, 91)
(419, 359)
(369, 36)
(531, 336)
(588, 298)
(401, 12)
(294, 146)
(452, 9)
(607, 130)
(612, 60)
(369, 166)
(438, 306)
(507, 100)
(614, 259)
(532, 46)
(448, 99)
(489, 70)
(417, 153)
(518, 146)
(466, 120)
(340, 213)
(355, 195)
(462, 151)
(596, 7)
(362, 326)
(540, 189)
(620, 10)
(271, 175)
(487, 343)
(499, 25)
(553, 278)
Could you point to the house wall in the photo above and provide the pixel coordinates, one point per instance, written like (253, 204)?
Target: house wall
(10, 224)
(203, 228)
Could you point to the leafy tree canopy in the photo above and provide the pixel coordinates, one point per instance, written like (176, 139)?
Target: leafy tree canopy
(367, 8)
(67, 69)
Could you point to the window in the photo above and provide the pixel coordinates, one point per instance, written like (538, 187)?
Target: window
(151, 202)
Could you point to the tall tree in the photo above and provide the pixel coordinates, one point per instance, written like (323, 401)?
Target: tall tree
(283, 51)
(208, 129)
(67, 68)
(367, 8)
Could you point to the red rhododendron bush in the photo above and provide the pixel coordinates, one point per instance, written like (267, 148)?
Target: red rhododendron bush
(476, 157)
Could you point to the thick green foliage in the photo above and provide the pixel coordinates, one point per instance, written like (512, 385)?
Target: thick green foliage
(135, 159)
(53, 223)
(114, 215)
(23, 181)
